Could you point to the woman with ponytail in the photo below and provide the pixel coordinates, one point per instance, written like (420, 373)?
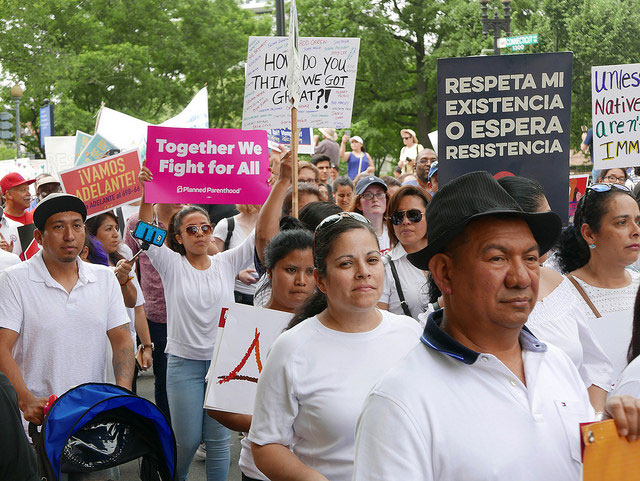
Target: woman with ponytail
(594, 253)
(318, 372)
(196, 287)
(288, 260)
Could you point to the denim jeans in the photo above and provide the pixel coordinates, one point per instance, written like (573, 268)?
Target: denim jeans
(158, 332)
(190, 422)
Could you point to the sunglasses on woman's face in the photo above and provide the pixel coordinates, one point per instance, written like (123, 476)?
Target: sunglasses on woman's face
(413, 215)
(194, 229)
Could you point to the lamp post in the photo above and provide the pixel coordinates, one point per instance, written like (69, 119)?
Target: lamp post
(279, 5)
(16, 93)
(495, 23)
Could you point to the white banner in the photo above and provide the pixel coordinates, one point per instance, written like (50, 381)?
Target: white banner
(60, 153)
(245, 335)
(615, 96)
(128, 132)
(329, 67)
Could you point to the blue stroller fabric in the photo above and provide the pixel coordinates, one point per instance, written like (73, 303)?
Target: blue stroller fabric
(97, 426)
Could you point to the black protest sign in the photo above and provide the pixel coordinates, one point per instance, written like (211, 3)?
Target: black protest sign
(508, 115)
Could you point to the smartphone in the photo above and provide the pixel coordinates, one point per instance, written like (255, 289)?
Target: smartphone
(347, 133)
(149, 233)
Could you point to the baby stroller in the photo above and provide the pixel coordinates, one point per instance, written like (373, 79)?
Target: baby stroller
(97, 426)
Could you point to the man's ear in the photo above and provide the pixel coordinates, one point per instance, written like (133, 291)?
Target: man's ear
(440, 266)
(320, 284)
(37, 235)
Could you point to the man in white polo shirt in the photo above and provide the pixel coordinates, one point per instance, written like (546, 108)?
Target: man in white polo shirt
(481, 398)
(56, 313)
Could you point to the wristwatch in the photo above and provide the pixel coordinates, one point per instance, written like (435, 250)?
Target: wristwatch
(145, 346)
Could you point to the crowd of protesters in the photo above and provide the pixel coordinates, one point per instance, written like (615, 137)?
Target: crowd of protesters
(444, 333)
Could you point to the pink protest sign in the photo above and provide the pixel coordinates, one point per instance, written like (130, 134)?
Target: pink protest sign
(207, 166)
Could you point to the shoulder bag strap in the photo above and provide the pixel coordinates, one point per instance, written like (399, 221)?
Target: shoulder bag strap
(403, 303)
(584, 295)
(231, 224)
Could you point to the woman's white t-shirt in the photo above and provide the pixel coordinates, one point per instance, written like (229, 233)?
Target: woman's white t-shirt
(314, 384)
(559, 319)
(238, 236)
(194, 298)
(612, 330)
(629, 382)
(413, 283)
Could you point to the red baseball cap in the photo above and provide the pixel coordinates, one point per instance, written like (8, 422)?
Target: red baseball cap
(13, 179)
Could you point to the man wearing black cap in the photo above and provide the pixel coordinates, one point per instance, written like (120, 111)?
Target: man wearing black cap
(481, 398)
(55, 311)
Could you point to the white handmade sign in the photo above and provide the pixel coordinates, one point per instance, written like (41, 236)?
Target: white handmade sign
(245, 334)
(329, 67)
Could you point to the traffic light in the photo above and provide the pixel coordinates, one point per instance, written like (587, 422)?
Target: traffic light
(6, 127)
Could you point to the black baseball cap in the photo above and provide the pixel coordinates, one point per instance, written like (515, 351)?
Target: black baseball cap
(55, 203)
(365, 182)
(470, 197)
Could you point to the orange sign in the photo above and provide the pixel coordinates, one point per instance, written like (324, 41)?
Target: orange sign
(106, 183)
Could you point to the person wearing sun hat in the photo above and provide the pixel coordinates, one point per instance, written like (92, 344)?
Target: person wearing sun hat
(17, 197)
(409, 151)
(480, 387)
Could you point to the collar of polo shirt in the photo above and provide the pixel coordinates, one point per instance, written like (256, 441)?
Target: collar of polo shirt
(440, 341)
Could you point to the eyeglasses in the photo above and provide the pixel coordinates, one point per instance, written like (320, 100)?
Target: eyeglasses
(308, 181)
(406, 138)
(425, 161)
(370, 196)
(615, 180)
(335, 218)
(413, 215)
(194, 229)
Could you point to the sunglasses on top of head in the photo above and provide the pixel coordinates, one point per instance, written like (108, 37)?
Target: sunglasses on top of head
(194, 229)
(413, 215)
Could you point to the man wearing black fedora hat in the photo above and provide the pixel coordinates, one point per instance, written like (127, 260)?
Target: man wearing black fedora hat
(481, 398)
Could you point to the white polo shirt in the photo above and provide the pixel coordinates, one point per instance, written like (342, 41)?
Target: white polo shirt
(448, 413)
(62, 339)
(413, 282)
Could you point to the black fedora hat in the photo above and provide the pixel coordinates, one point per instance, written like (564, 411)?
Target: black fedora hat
(470, 197)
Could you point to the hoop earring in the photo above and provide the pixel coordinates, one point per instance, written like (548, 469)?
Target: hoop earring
(592, 246)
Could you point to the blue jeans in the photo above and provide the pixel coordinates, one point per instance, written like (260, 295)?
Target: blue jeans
(190, 422)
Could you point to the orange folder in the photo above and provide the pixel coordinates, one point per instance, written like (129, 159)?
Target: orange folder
(607, 456)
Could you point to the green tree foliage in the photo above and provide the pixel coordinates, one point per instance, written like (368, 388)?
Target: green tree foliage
(146, 58)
